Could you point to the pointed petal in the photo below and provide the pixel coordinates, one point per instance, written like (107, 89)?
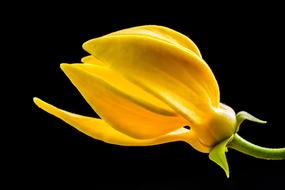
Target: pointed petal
(178, 77)
(243, 115)
(122, 105)
(218, 155)
(161, 33)
(100, 130)
(90, 59)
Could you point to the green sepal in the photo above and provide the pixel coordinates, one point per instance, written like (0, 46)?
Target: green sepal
(218, 155)
(241, 116)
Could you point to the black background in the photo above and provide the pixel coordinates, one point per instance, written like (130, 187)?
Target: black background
(243, 44)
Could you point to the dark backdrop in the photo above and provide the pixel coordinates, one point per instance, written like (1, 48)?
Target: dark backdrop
(243, 44)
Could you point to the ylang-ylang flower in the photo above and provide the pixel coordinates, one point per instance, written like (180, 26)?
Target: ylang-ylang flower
(147, 83)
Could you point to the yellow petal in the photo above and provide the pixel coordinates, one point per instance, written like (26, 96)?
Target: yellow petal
(98, 129)
(162, 33)
(90, 59)
(178, 77)
(123, 86)
(123, 105)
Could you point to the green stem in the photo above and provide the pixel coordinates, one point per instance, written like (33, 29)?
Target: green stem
(242, 145)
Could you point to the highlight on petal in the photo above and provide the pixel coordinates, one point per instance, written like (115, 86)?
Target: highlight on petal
(90, 59)
(178, 77)
(123, 105)
(100, 130)
(161, 33)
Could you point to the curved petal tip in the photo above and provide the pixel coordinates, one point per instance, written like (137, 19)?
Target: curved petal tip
(37, 101)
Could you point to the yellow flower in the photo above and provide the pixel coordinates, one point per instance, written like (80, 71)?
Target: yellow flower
(146, 83)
